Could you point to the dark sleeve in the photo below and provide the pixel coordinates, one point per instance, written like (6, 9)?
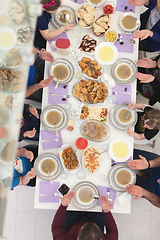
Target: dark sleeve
(26, 108)
(42, 23)
(147, 109)
(149, 134)
(156, 59)
(111, 227)
(57, 229)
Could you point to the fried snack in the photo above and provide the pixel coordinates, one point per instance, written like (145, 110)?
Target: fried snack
(69, 158)
(90, 67)
(90, 91)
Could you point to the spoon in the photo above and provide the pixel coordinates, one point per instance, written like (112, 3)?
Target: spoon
(57, 83)
(99, 153)
(55, 123)
(47, 167)
(63, 16)
(127, 114)
(95, 196)
(131, 64)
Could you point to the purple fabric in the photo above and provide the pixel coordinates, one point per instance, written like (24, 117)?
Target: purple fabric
(122, 98)
(114, 162)
(47, 188)
(57, 99)
(46, 135)
(62, 35)
(103, 191)
(125, 47)
(124, 6)
(78, 1)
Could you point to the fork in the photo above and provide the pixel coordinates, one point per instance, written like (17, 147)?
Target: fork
(128, 39)
(50, 140)
(116, 93)
(108, 193)
(55, 94)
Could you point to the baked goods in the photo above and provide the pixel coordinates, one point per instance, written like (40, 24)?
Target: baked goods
(13, 58)
(90, 67)
(88, 44)
(91, 91)
(69, 158)
(8, 152)
(11, 80)
(16, 12)
(86, 15)
(102, 24)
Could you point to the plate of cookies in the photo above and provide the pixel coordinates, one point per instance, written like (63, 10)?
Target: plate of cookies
(85, 15)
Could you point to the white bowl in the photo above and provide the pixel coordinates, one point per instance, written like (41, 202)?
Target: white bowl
(12, 33)
(133, 15)
(56, 110)
(81, 202)
(51, 173)
(110, 30)
(127, 170)
(124, 108)
(126, 79)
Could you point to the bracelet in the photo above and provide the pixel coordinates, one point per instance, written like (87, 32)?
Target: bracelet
(38, 54)
(148, 164)
(63, 28)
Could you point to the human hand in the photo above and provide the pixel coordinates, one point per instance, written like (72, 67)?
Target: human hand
(68, 27)
(139, 164)
(31, 174)
(137, 191)
(106, 205)
(144, 78)
(34, 111)
(142, 34)
(66, 199)
(47, 56)
(46, 82)
(29, 155)
(146, 63)
(137, 2)
(130, 132)
(131, 105)
(30, 134)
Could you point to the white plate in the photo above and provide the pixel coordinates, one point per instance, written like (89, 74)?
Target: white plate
(14, 36)
(123, 169)
(113, 48)
(127, 156)
(124, 108)
(80, 41)
(129, 30)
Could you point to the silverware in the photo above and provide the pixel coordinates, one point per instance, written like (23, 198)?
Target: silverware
(99, 153)
(50, 140)
(63, 16)
(128, 39)
(57, 83)
(124, 41)
(117, 93)
(131, 64)
(55, 94)
(108, 193)
(51, 194)
(127, 114)
(47, 167)
(95, 196)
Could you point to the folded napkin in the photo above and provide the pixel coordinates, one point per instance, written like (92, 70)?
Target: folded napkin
(62, 35)
(114, 162)
(46, 135)
(78, 1)
(48, 188)
(125, 47)
(122, 98)
(60, 90)
(103, 191)
(124, 6)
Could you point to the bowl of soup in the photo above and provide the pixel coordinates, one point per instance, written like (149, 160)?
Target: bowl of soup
(123, 71)
(120, 149)
(53, 117)
(8, 38)
(121, 115)
(106, 53)
(123, 177)
(129, 22)
(48, 163)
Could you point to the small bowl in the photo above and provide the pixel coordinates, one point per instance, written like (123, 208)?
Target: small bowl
(131, 177)
(111, 32)
(8, 18)
(56, 110)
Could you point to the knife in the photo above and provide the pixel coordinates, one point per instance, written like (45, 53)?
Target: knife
(50, 194)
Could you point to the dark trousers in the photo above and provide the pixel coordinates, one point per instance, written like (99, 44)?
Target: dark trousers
(146, 181)
(75, 216)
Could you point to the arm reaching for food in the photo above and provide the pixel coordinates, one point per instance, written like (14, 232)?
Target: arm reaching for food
(132, 105)
(138, 136)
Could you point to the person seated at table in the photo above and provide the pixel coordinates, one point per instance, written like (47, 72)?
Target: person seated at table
(24, 173)
(149, 79)
(36, 73)
(149, 33)
(148, 179)
(30, 123)
(42, 31)
(83, 225)
(148, 123)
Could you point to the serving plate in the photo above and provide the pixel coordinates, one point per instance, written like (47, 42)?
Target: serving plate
(12, 33)
(125, 157)
(111, 177)
(119, 124)
(127, 62)
(98, 5)
(66, 63)
(37, 166)
(93, 203)
(110, 46)
(64, 115)
(55, 19)
(129, 31)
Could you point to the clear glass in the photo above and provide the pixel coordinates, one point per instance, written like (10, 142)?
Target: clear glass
(102, 178)
(106, 68)
(76, 30)
(111, 98)
(81, 174)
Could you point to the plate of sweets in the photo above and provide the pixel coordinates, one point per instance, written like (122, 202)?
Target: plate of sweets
(98, 113)
(91, 159)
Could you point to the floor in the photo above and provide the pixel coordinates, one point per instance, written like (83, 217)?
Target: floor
(23, 222)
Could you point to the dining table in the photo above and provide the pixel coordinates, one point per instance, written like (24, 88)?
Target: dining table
(129, 51)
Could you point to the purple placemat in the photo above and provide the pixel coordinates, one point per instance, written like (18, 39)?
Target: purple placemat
(114, 162)
(46, 135)
(60, 90)
(125, 47)
(122, 98)
(103, 191)
(124, 6)
(77, 1)
(47, 188)
(62, 35)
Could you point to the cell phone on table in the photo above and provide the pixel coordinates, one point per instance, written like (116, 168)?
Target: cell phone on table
(63, 189)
